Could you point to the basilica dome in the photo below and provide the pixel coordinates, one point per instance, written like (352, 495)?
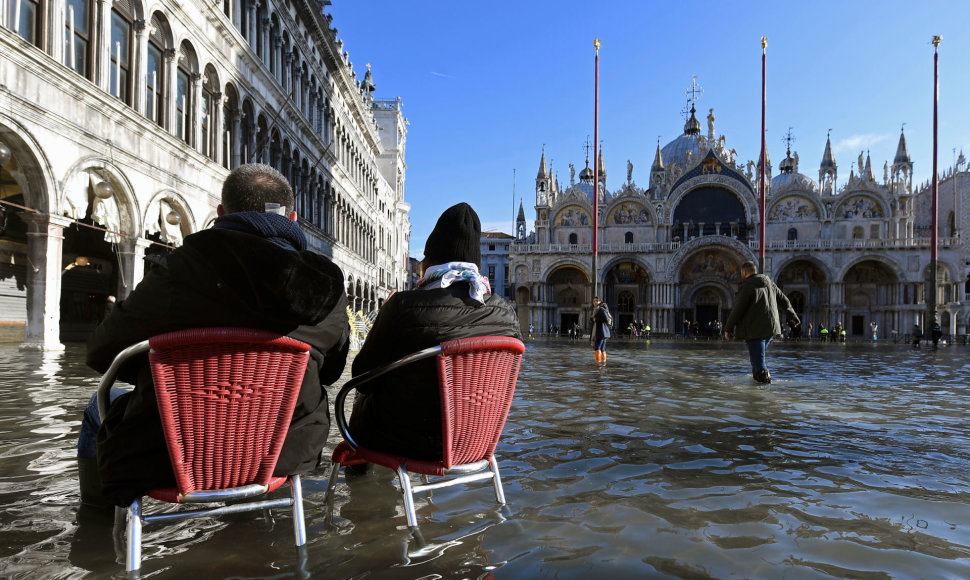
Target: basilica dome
(799, 181)
(676, 150)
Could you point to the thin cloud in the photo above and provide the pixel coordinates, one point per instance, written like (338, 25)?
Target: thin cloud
(506, 227)
(442, 75)
(856, 143)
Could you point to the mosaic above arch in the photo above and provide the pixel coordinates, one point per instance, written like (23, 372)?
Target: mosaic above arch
(627, 273)
(711, 263)
(793, 208)
(629, 213)
(572, 215)
(858, 206)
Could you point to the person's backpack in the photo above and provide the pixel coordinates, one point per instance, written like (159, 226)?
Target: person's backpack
(609, 317)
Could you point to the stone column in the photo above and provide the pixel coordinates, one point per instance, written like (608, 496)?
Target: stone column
(103, 48)
(216, 132)
(170, 91)
(195, 111)
(45, 243)
(139, 72)
(131, 252)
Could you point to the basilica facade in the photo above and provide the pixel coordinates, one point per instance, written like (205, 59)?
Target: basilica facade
(856, 254)
(119, 120)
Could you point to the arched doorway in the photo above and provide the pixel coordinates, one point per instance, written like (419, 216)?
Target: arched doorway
(807, 289)
(570, 291)
(625, 292)
(709, 277)
(868, 287)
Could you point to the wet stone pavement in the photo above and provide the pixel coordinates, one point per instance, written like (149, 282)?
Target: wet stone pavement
(668, 461)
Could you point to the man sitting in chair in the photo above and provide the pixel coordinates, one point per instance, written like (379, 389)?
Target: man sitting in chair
(400, 413)
(250, 269)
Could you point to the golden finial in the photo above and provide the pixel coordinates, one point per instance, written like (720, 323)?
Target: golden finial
(764, 42)
(596, 43)
(936, 41)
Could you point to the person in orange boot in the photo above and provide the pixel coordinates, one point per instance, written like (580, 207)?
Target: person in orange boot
(602, 322)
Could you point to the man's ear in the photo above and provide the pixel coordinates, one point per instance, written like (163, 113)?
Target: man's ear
(220, 211)
(292, 215)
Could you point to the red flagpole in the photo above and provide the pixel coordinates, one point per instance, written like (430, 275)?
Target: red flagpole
(935, 210)
(764, 157)
(596, 167)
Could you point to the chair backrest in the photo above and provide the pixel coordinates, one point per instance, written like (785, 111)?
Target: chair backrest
(225, 397)
(476, 378)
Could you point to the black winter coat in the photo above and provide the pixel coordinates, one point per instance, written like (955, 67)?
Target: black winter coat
(220, 277)
(400, 413)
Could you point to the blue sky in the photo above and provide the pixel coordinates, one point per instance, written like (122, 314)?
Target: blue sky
(485, 85)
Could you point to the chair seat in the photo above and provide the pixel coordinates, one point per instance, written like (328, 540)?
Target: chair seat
(344, 454)
(171, 494)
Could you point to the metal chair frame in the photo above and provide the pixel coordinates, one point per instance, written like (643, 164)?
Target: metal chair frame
(485, 469)
(136, 516)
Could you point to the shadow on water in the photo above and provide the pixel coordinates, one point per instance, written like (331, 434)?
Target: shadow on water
(667, 461)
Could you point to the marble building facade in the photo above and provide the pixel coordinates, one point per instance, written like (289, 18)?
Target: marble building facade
(858, 254)
(119, 120)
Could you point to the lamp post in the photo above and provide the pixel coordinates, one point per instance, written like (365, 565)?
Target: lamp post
(934, 220)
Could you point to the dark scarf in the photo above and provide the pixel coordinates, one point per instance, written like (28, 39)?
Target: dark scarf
(272, 227)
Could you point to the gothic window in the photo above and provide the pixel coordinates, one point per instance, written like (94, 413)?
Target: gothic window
(628, 238)
(874, 231)
(792, 234)
(185, 105)
(121, 50)
(951, 224)
(77, 53)
(230, 111)
(573, 239)
(491, 273)
(25, 19)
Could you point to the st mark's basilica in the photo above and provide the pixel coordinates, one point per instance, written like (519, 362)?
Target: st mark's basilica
(858, 254)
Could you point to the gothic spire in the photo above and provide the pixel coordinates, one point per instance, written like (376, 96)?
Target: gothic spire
(902, 153)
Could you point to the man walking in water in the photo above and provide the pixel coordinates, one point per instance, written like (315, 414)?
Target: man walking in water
(754, 317)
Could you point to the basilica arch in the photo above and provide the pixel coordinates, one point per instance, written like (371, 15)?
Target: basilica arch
(806, 282)
(708, 279)
(626, 290)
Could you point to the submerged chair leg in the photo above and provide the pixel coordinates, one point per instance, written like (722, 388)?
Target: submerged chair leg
(299, 525)
(497, 480)
(329, 498)
(408, 497)
(133, 556)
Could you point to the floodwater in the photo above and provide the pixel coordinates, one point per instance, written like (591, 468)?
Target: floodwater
(668, 461)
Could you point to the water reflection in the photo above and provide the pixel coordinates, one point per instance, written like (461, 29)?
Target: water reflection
(669, 461)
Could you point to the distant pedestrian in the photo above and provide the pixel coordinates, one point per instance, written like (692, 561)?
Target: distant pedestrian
(602, 321)
(875, 329)
(755, 318)
(917, 335)
(936, 333)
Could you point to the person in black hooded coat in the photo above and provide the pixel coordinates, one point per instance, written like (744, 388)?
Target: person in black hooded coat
(251, 269)
(400, 413)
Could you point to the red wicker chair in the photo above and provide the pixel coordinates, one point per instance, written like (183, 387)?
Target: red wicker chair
(476, 381)
(225, 397)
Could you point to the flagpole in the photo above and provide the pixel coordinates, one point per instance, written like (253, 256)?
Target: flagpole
(764, 157)
(935, 210)
(596, 167)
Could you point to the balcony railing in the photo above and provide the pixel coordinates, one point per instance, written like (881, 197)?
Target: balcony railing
(776, 245)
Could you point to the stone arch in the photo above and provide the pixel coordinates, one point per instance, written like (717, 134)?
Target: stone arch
(794, 207)
(119, 212)
(28, 167)
(889, 263)
(563, 263)
(676, 261)
(169, 217)
(703, 207)
(744, 194)
(861, 205)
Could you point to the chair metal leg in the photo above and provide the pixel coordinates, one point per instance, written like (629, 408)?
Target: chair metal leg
(299, 525)
(329, 498)
(133, 556)
(408, 497)
(497, 480)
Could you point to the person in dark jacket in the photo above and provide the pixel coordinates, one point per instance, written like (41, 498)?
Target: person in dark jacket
(602, 321)
(251, 269)
(400, 413)
(754, 317)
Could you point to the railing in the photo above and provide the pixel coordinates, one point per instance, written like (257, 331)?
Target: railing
(908, 243)
(588, 248)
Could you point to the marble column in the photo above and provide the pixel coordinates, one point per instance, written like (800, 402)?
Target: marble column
(131, 253)
(139, 83)
(45, 243)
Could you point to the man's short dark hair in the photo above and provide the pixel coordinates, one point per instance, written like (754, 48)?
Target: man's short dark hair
(250, 187)
(749, 267)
